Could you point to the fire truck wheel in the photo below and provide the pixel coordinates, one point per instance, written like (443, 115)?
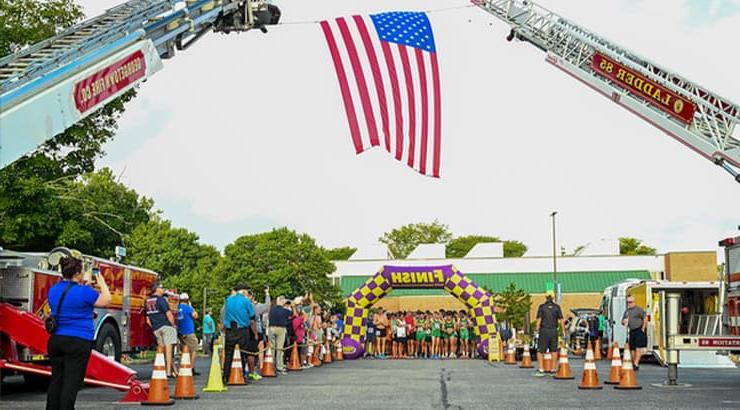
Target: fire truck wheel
(109, 342)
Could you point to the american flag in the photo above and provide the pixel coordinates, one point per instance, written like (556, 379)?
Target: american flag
(388, 76)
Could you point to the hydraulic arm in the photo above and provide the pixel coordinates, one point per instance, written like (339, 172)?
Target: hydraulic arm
(697, 117)
(47, 87)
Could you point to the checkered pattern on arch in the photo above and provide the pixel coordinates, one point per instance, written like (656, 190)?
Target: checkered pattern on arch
(355, 322)
(464, 289)
(371, 291)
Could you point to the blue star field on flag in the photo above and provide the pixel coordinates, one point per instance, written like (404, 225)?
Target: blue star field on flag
(411, 29)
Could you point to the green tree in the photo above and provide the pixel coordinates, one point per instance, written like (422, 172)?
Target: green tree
(24, 22)
(92, 213)
(459, 247)
(339, 254)
(180, 259)
(634, 246)
(514, 304)
(37, 210)
(401, 241)
(291, 264)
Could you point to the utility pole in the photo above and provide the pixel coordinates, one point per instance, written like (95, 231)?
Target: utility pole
(555, 259)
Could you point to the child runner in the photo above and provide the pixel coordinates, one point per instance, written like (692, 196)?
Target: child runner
(436, 335)
(394, 345)
(401, 336)
(370, 338)
(410, 335)
(464, 335)
(453, 335)
(449, 328)
(428, 337)
(420, 335)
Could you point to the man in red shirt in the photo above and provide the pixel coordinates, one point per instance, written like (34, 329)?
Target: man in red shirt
(410, 334)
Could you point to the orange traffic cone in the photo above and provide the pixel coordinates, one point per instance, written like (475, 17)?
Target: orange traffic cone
(327, 354)
(609, 352)
(294, 363)
(597, 350)
(159, 391)
(315, 360)
(615, 372)
(339, 356)
(184, 388)
(510, 354)
(578, 350)
(236, 374)
(268, 366)
(628, 380)
(526, 359)
(590, 379)
(564, 371)
(547, 362)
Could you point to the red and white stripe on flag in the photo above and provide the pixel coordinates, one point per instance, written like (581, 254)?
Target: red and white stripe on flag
(388, 74)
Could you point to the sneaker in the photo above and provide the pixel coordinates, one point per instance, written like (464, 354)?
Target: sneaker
(282, 372)
(637, 368)
(255, 376)
(305, 366)
(539, 373)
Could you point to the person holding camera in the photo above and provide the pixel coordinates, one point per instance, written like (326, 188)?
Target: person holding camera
(72, 303)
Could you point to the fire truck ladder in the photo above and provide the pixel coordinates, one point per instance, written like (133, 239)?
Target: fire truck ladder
(168, 24)
(571, 48)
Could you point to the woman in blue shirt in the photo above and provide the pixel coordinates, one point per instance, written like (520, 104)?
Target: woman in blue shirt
(70, 346)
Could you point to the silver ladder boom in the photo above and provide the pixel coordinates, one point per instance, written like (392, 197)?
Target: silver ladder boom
(40, 85)
(708, 130)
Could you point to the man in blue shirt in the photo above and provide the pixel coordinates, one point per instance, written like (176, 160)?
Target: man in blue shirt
(186, 328)
(240, 328)
(209, 332)
(162, 321)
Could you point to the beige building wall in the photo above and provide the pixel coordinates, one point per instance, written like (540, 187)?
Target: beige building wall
(691, 266)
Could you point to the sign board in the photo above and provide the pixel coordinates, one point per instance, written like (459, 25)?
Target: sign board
(415, 277)
(720, 342)
(70, 93)
(668, 101)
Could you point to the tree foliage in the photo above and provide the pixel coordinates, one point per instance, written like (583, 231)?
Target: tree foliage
(92, 213)
(339, 254)
(401, 241)
(514, 303)
(180, 259)
(460, 246)
(24, 22)
(291, 264)
(634, 246)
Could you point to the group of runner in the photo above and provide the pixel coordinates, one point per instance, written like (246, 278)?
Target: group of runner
(420, 335)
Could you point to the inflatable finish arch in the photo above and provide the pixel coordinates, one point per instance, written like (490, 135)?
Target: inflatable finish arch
(478, 301)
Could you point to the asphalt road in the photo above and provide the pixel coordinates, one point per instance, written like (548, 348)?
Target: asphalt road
(426, 384)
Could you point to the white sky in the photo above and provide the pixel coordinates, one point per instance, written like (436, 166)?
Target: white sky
(243, 133)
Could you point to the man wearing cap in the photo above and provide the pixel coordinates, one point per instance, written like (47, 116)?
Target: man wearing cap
(239, 322)
(281, 316)
(548, 317)
(186, 328)
(162, 322)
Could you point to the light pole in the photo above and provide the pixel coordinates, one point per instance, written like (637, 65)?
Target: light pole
(555, 259)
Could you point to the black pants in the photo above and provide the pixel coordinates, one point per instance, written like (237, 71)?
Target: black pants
(232, 338)
(69, 356)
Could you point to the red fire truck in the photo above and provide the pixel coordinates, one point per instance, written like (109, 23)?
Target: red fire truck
(25, 279)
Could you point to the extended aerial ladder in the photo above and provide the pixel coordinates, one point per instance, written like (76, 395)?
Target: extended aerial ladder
(688, 112)
(49, 86)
